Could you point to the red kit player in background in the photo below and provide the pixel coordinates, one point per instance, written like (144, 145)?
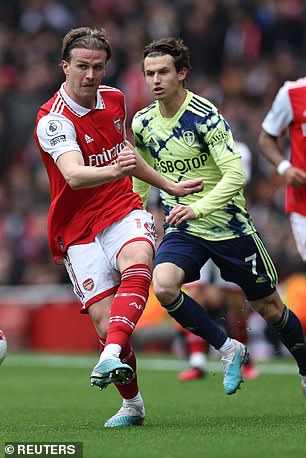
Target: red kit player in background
(288, 113)
(97, 225)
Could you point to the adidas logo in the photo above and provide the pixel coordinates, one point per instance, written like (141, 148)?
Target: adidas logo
(261, 280)
(88, 139)
(152, 142)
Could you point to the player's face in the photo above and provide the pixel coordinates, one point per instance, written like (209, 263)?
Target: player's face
(84, 73)
(162, 78)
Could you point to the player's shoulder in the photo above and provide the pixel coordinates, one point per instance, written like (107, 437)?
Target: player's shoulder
(54, 108)
(200, 105)
(50, 123)
(146, 110)
(111, 91)
(53, 105)
(300, 83)
(144, 113)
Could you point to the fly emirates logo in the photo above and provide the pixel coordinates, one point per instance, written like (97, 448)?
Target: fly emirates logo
(106, 157)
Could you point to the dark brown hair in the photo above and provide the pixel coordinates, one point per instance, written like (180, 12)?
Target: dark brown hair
(172, 46)
(85, 37)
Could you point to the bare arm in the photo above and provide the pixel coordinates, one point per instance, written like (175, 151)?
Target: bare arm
(78, 175)
(146, 173)
(271, 150)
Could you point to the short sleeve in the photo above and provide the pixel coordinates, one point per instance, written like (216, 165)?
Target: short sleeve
(56, 135)
(280, 115)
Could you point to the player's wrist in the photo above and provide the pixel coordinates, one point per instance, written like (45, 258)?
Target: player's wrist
(170, 188)
(196, 210)
(283, 166)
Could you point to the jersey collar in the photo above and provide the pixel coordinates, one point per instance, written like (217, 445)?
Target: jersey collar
(78, 109)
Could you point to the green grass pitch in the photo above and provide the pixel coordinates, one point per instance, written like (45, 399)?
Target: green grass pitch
(48, 399)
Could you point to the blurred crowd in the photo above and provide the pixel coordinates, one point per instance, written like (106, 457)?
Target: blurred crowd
(241, 52)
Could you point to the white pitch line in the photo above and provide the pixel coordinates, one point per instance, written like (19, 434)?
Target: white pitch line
(26, 360)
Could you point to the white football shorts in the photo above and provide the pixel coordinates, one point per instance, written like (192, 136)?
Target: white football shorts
(92, 267)
(298, 225)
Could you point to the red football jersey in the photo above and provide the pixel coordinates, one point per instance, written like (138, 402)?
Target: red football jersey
(76, 216)
(296, 197)
(289, 112)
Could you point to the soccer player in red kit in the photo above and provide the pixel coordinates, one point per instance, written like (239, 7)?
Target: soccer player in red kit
(288, 113)
(97, 226)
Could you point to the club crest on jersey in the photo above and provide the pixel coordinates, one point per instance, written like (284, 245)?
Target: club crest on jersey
(53, 128)
(88, 284)
(188, 137)
(118, 125)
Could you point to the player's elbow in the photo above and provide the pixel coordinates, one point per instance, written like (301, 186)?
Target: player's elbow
(71, 174)
(265, 140)
(74, 186)
(236, 179)
(73, 181)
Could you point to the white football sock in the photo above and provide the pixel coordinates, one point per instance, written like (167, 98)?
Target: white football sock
(228, 345)
(136, 400)
(111, 351)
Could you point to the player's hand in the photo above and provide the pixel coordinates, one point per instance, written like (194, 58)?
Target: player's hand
(183, 188)
(295, 177)
(179, 214)
(127, 161)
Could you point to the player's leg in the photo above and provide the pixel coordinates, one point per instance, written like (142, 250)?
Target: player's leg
(135, 261)
(288, 327)
(284, 321)
(95, 283)
(228, 297)
(129, 246)
(132, 411)
(255, 272)
(177, 262)
(107, 370)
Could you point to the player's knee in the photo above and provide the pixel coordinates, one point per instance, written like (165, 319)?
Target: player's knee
(271, 315)
(167, 282)
(270, 308)
(164, 292)
(161, 292)
(140, 252)
(100, 318)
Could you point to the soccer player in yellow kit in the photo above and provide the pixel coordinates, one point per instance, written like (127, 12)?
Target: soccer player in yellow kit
(184, 136)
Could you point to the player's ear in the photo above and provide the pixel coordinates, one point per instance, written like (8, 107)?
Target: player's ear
(65, 66)
(182, 74)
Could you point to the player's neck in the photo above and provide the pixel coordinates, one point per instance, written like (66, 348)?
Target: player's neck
(169, 107)
(89, 102)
